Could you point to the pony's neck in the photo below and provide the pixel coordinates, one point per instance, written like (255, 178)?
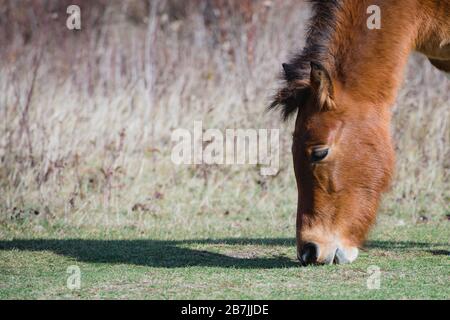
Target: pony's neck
(370, 63)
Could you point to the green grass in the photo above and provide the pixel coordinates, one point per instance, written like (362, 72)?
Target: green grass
(251, 261)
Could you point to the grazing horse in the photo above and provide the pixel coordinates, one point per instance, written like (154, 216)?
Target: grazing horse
(343, 85)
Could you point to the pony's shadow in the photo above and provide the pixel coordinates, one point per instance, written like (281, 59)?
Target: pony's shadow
(157, 253)
(175, 254)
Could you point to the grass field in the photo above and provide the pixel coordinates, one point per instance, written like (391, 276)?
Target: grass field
(254, 260)
(86, 177)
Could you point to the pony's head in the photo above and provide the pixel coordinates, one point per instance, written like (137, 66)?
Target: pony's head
(343, 160)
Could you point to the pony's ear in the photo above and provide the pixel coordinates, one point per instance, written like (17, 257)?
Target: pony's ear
(322, 85)
(291, 97)
(289, 72)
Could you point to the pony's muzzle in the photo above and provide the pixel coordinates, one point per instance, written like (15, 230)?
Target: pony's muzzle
(311, 254)
(340, 257)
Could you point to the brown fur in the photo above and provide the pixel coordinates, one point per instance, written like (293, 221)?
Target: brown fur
(343, 84)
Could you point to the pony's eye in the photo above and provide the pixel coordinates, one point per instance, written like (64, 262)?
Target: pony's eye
(319, 154)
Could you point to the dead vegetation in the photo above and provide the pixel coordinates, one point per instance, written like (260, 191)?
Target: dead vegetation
(86, 115)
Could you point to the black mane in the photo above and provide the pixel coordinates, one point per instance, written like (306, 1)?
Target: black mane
(321, 28)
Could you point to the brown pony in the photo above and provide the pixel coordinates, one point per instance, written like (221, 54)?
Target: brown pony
(343, 85)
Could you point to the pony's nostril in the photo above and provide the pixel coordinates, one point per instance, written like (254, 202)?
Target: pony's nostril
(309, 253)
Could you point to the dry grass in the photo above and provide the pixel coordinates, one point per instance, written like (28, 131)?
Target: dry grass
(86, 120)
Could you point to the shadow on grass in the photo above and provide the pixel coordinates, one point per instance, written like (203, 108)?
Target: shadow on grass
(403, 245)
(156, 253)
(175, 254)
(440, 252)
(409, 246)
